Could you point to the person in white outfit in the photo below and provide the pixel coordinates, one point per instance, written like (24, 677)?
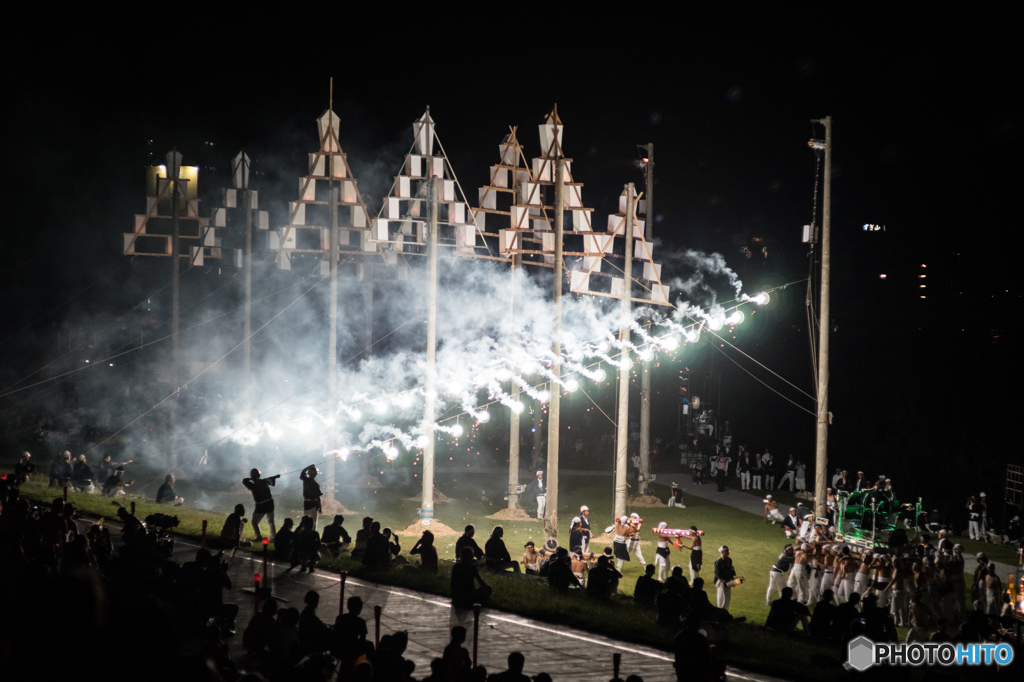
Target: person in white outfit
(973, 518)
(540, 492)
(799, 574)
(633, 541)
(777, 575)
(662, 555)
(755, 471)
(790, 473)
(725, 576)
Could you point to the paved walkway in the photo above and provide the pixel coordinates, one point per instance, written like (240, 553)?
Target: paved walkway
(564, 653)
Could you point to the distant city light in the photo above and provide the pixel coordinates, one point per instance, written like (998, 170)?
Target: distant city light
(881, 276)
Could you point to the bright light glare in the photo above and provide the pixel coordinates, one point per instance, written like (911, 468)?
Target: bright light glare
(761, 299)
(355, 414)
(457, 430)
(422, 441)
(503, 374)
(483, 416)
(602, 346)
(646, 354)
(669, 343)
(715, 323)
(691, 335)
(735, 318)
(545, 396)
(343, 454)
(391, 452)
(571, 385)
(379, 407)
(600, 374)
(517, 407)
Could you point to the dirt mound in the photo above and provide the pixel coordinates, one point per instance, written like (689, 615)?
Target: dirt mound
(415, 529)
(645, 501)
(333, 507)
(512, 515)
(438, 497)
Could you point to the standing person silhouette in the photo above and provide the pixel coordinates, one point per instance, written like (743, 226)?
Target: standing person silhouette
(311, 493)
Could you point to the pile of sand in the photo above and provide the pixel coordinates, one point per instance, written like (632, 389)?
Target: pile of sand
(512, 515)
(438, 497)
(415, 529)
(645, 501)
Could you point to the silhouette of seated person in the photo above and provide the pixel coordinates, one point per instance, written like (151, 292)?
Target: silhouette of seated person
(349, 636)
(314, 635)
(465, 577)
(647, 588)
(560, 575)
(603, 581)
(378, 548)
(692, 651)
(496, 554)
(284, 541)
(786, 613)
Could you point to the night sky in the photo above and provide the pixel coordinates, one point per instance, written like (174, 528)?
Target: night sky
(927, 137)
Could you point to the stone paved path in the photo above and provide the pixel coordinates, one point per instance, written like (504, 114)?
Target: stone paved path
(565, 653)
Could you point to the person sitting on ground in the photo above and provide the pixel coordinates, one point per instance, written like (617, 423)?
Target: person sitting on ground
(466, 540)
(845, 614)
(313, 632)
(362, 535)
(349, 632)
(334, 537)
(165, 495)
(115, 483)
(675, 496)
(231, 533)
(821, 619)
(516, 663)
(428, 553)
(692, 652)
(786, 613)
(546, 559)
(465, 576)
(496, 554)
(455, 659)
(284, 638)
(81, 475)
(671, 603)
(257, 632)
(580, 568)
(560, 577)
(284, 541)
(307, 546)
(531, 559)
(603, 581)
(60, 470)
(378, 549)
(647, 588)
(394, 549)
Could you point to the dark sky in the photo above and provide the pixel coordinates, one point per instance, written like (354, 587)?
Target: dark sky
(927, 140)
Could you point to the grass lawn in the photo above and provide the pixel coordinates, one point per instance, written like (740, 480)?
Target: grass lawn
(754, 547)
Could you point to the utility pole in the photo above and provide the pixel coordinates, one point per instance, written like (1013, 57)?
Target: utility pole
(173, 170)
(824, 324)
(645, 377)
(622, 438)
(551, 522)
(247, 269)
(427, 506)
(513, 420)
(332, 338)
(367, 308)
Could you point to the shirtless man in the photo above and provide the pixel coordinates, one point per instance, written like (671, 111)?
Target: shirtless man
(897, 591)
(696, 553)
(827, 564)
(993, 592)
(771, 511)
(920, 616)
(633, 539)
(622, 530)
(799, 575)
(883, 577)
(580, 569)
(862, 581)
(531, 559)
(844, 577)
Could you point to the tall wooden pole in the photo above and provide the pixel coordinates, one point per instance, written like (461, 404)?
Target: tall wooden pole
(622, 439)
(427, 507)
(247, 268)
(332, 338)
(173, 170)
(645, 376)
(513, 420)
(554, 406)
(367, 308)
(824, 323)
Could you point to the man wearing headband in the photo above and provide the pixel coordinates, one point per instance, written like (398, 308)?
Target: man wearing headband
(662, 554)
(725, 575)
(585, 529)
(777, 574)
